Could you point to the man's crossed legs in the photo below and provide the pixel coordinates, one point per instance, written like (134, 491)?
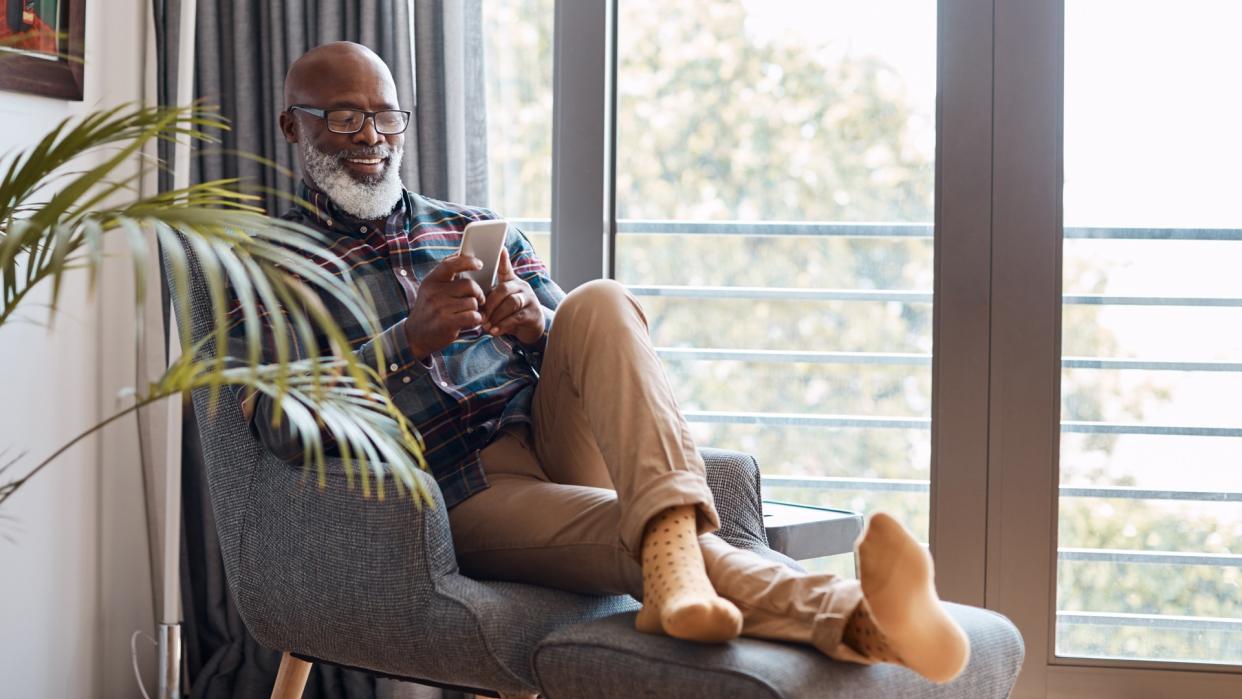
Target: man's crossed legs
(605, 493)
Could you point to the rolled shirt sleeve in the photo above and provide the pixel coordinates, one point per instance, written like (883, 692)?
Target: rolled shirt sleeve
(402, 371)
(402, 368)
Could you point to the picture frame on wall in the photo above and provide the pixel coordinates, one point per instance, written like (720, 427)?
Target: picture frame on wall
(41, 47)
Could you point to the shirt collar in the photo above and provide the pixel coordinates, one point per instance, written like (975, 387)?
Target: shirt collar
(330, 216)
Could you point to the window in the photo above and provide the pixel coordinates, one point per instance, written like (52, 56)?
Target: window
(774, 207)
(517, 37)
(1150, 510)
(762, 175)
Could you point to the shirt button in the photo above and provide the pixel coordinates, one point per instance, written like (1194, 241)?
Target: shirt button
(393, 366)
(405, 379)
(403, 272)
(444, 384)
(329, 222)
(362, 229)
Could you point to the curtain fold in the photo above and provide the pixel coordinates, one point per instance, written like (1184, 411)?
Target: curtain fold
(451, 120)
(243, 49)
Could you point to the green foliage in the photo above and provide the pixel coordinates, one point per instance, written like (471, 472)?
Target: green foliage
(716, 122)
(1135, 588)
(55, 211)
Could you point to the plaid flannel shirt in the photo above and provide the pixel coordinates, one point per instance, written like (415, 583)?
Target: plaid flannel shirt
(466, 392)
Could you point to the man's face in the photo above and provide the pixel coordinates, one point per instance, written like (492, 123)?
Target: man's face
(359, 171)
(366, 156)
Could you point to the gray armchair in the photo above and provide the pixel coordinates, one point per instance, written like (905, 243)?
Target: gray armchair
(327, 576)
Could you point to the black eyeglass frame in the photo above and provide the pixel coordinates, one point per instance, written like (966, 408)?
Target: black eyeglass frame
(323, 114)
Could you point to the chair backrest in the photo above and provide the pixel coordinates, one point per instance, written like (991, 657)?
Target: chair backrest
(231, 452)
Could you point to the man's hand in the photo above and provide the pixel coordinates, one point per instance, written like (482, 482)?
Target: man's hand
(444, 307)
(512, 307)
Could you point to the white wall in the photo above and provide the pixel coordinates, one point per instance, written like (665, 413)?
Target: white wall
(74, 580)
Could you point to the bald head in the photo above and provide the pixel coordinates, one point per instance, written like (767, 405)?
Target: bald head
(338, 68)
(359, 171)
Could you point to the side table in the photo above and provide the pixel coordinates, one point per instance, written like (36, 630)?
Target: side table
(806, 531)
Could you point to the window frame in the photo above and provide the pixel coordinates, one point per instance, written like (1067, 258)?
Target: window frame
(996, 367)
(1025, 377)
(583, 139)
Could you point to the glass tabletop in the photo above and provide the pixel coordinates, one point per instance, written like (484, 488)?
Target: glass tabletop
(803, 532)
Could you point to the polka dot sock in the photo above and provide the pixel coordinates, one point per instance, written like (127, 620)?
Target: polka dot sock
(678, 599)
(905, 618)
(864, 636)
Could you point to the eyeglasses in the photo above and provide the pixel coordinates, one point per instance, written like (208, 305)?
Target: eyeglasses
(387, 121)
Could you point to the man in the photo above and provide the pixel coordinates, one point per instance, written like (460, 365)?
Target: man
(548, 422)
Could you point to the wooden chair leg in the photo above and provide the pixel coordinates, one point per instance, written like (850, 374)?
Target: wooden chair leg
(291, 679)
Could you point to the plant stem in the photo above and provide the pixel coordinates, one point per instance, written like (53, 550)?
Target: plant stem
(31, 281)
(11, 488)
(12, 306)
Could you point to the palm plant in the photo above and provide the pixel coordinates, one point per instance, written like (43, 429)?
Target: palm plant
(54, 217)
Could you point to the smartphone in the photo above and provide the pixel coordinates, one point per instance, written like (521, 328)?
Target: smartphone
(484, 239)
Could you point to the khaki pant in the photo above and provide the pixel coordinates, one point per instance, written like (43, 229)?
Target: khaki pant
(609, 449)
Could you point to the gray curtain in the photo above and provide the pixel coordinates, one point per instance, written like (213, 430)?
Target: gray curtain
(243, 48)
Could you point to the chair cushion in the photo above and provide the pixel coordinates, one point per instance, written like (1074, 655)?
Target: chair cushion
(608, 658)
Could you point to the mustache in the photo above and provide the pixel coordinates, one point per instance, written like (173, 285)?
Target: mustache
(380, 151)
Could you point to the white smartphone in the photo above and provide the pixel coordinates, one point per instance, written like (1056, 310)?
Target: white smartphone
(484, 239)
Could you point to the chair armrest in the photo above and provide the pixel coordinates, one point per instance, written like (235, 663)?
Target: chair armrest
(735, 482)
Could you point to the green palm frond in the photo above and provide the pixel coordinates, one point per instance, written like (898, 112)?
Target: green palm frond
(56, 210)
(315, 395)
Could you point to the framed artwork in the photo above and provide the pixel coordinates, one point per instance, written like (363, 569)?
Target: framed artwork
(41, 47)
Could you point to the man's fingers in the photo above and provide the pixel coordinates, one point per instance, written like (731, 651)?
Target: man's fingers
(494, 297)
(505, 270)
(465, 288)
(498, 295)
(510, 324)
(504, 308)
(465, 320)
(450, 266)
(458, 305)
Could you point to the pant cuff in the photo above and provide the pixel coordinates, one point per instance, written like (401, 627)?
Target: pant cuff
(831, 621)
(671, 489)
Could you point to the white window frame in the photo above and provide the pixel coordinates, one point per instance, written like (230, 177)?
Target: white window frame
(996, 314)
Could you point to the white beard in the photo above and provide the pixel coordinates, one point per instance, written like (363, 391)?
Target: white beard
(366, 201)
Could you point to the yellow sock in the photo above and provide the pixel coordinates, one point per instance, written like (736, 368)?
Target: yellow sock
(901, 619)
(678, 599)
(864, 636)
